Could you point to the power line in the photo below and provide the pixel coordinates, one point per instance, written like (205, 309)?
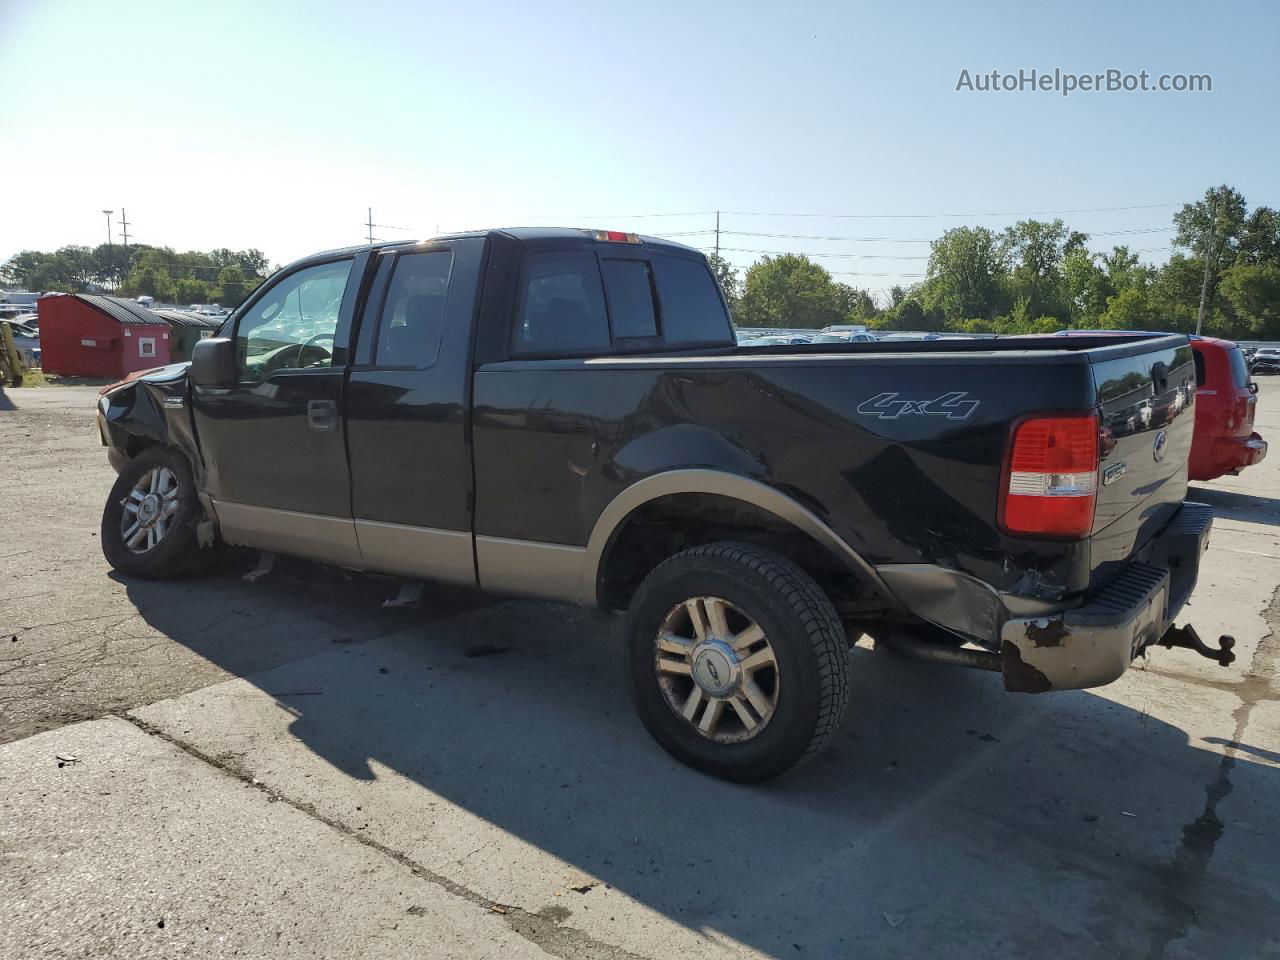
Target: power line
(932, 216)
(851, 256)
(856, 216)
(381, 226)
(865, 256)
(618, 216)
(814, 236)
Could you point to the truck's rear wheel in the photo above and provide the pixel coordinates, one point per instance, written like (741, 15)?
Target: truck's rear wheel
(149, 522)
(736, 661)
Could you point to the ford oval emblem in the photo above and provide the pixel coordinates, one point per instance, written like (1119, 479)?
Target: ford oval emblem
(1161, 445)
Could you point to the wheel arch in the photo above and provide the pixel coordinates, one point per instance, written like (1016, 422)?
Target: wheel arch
(766, 504)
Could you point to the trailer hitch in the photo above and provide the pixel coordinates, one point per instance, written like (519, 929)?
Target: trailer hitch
(1188, 638)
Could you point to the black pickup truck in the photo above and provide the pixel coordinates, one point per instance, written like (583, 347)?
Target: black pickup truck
(565, 414)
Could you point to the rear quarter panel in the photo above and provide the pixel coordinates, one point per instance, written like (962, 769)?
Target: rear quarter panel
(872, 445)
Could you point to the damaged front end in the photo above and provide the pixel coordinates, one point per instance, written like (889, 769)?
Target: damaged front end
(146, 408)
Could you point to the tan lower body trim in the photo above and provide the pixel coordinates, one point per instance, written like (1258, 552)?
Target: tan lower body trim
(329, 539)
(552, 571)
(425, 552)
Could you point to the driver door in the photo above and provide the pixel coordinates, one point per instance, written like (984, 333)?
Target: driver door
(274, 444)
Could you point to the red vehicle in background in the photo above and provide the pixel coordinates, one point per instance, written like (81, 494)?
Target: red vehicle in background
(1226, 400)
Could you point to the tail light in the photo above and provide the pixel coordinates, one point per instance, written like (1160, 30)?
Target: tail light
(1051, 484)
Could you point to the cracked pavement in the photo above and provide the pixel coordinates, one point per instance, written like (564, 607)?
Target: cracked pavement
(286, 768)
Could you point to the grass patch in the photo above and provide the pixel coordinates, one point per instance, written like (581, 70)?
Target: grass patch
(34, 377)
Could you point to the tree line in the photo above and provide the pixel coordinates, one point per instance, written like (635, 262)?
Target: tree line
(1039, 276)
(218, 276)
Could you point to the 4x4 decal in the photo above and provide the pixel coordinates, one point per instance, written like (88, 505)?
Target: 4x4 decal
(888, 406)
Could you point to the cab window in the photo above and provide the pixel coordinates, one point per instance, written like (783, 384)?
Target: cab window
(294, 324)
(561, 307)
(692, 309)
(412, 321)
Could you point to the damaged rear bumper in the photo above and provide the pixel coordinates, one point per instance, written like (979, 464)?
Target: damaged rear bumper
(1093, 644)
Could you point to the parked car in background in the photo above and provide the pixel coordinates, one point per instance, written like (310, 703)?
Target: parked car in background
(1226, 401)
(27, 340)
(1266, 360)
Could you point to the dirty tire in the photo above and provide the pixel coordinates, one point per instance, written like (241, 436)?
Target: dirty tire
(178, 553)
(803, 629)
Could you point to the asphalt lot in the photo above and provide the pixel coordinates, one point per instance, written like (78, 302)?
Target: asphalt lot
(284, 767)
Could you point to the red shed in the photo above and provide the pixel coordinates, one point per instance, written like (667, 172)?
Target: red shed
(82, 335)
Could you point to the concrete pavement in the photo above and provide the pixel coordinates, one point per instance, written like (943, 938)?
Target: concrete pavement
(949, 819)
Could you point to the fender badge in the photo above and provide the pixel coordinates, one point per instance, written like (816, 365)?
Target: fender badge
(173, 402)
(1160, 446)
(889, 406)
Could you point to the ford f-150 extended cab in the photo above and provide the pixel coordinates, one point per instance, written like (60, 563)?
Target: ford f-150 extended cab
(565, 414)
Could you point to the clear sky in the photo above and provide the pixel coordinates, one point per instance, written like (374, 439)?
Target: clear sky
(276, 124)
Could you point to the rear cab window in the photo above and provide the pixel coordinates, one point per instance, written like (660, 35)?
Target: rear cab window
(629, 286)
(575, 302)
(693, 312)
(561, 309)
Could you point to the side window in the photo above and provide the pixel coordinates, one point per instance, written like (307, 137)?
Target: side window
(561, 305)
(294, 324)
(412, 320)
(1199, 361)
(630, 289)
(692, 311)
(1239, 369)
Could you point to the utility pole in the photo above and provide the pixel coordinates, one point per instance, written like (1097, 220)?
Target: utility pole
(124, 231)
(717, 235)
(1208, 252)
(110, 248)
(370, 226)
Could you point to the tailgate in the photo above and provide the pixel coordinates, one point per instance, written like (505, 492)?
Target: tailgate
(1146, 399)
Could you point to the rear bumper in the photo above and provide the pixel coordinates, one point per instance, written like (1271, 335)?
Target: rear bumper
(1233, 454)
(1093, 644)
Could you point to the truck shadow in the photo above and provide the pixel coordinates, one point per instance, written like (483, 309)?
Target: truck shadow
(1238, 506)
(945, 812)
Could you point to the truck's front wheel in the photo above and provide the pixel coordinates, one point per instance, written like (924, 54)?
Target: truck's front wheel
(149, 522)
(736, 661)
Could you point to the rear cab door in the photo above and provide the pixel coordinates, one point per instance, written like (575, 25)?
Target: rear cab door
(408, 411)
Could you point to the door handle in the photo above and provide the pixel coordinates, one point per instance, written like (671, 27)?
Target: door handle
(322, 415)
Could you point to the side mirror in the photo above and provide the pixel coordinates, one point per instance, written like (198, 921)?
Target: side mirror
(213, 362)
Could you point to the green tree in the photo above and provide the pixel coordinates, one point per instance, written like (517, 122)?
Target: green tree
(1086, 287)
(726, 276)
(790, 291)
(232, 287)
(966, 274)
(859, 305)
(909, 314)
(1129, 310)
(191, 290)
(1253, 290)
(1260, 240)
(148, 281)
(1036, 249)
